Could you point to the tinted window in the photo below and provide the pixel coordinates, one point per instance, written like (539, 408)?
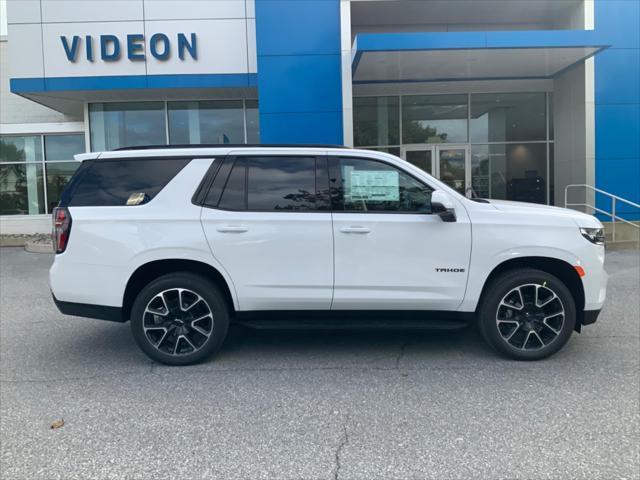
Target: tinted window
(369, 186)
(282, 183)
(234, 194)
(112, 182)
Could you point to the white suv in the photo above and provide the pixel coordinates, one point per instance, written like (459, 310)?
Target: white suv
(182, 241)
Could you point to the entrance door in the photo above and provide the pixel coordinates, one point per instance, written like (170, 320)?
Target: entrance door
(419, 155)
(449, 163)
(453, 167)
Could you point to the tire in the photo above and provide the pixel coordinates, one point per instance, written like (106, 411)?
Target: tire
(180, 319)
(527, 314)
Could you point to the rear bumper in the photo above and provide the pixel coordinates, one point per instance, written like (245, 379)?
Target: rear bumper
(590, 316)
(100, 312)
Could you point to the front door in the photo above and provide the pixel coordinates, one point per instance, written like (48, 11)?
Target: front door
(449, 163)
(391, 252)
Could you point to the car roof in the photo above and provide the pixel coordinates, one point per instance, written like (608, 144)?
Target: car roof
(155, 151)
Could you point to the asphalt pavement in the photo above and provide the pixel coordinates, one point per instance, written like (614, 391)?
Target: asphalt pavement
(287, 405)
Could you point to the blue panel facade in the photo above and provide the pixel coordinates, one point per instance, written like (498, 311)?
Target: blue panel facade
(126, 82)
(617, 99)
(300, 79)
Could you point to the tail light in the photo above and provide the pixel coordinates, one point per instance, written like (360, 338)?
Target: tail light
(61, 228)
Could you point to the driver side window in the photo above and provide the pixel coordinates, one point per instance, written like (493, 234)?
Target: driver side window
(362, 185)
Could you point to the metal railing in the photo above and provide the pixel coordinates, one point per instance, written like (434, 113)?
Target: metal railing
(614, 200)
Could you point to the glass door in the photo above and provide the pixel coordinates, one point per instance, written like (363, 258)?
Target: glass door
(452, 166)
(419, 155)
(449, 163)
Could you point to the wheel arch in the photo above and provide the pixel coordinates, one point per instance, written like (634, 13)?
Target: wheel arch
(555, 266)
(150, 271)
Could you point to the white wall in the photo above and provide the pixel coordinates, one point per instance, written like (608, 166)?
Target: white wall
(18, 110)
(574, 130)
(25, 224)
(225, 31)
(3, 18)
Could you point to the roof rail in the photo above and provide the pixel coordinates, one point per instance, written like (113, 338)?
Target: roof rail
(226, 145)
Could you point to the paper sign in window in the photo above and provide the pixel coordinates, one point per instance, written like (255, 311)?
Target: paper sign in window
(373, 185)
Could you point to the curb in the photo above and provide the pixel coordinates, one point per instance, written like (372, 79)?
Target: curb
(35, 246)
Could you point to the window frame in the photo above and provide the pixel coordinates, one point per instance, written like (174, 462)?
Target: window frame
(226, 183)
(335, 176)
(219, 183)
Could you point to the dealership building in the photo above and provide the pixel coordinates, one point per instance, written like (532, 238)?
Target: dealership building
(510, 99)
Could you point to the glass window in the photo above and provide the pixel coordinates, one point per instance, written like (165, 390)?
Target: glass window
(376, 121)
(20, 149)
(434, 119)
(371, 186)
(550, 113)
(117, 125)
(421, 159)
(508, 117)
(63, 147)
(58, 175)
(253, 121)
(234, 194)
(209, 122)
(282, 183)
(513, 171)
(552, 190)
(21, 182)
(481, 177)
(392, 150)
(21, 189)
(112, 182)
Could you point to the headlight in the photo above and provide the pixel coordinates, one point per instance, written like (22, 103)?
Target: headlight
(594, 235)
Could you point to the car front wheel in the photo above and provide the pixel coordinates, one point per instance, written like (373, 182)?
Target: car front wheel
(527, 314)
(179, 319)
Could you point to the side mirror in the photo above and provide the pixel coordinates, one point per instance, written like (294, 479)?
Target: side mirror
(443, 205)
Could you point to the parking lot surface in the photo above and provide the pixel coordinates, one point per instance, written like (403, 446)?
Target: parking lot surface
(287, 405)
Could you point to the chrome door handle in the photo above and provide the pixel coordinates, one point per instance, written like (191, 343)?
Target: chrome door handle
(232, 229)
(361, 230)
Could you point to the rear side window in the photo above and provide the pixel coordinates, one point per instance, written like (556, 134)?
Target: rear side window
(281, 183)
(271, 184)
(112, 182)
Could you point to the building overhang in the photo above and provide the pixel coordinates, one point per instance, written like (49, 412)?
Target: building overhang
(382, 58)
(68, 94)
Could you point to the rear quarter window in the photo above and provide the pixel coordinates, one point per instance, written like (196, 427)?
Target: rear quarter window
(112, 182)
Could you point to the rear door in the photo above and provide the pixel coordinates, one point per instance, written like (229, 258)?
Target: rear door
(391, 252)
(268, 222)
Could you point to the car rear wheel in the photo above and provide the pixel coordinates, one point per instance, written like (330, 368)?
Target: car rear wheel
(527, 314)
(179, 319)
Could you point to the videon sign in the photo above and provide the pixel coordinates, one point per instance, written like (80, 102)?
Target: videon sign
(111, 47)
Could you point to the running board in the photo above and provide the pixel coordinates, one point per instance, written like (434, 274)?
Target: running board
(354, 320)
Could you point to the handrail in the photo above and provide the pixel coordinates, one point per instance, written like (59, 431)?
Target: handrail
(612, 214)
(611, 195)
